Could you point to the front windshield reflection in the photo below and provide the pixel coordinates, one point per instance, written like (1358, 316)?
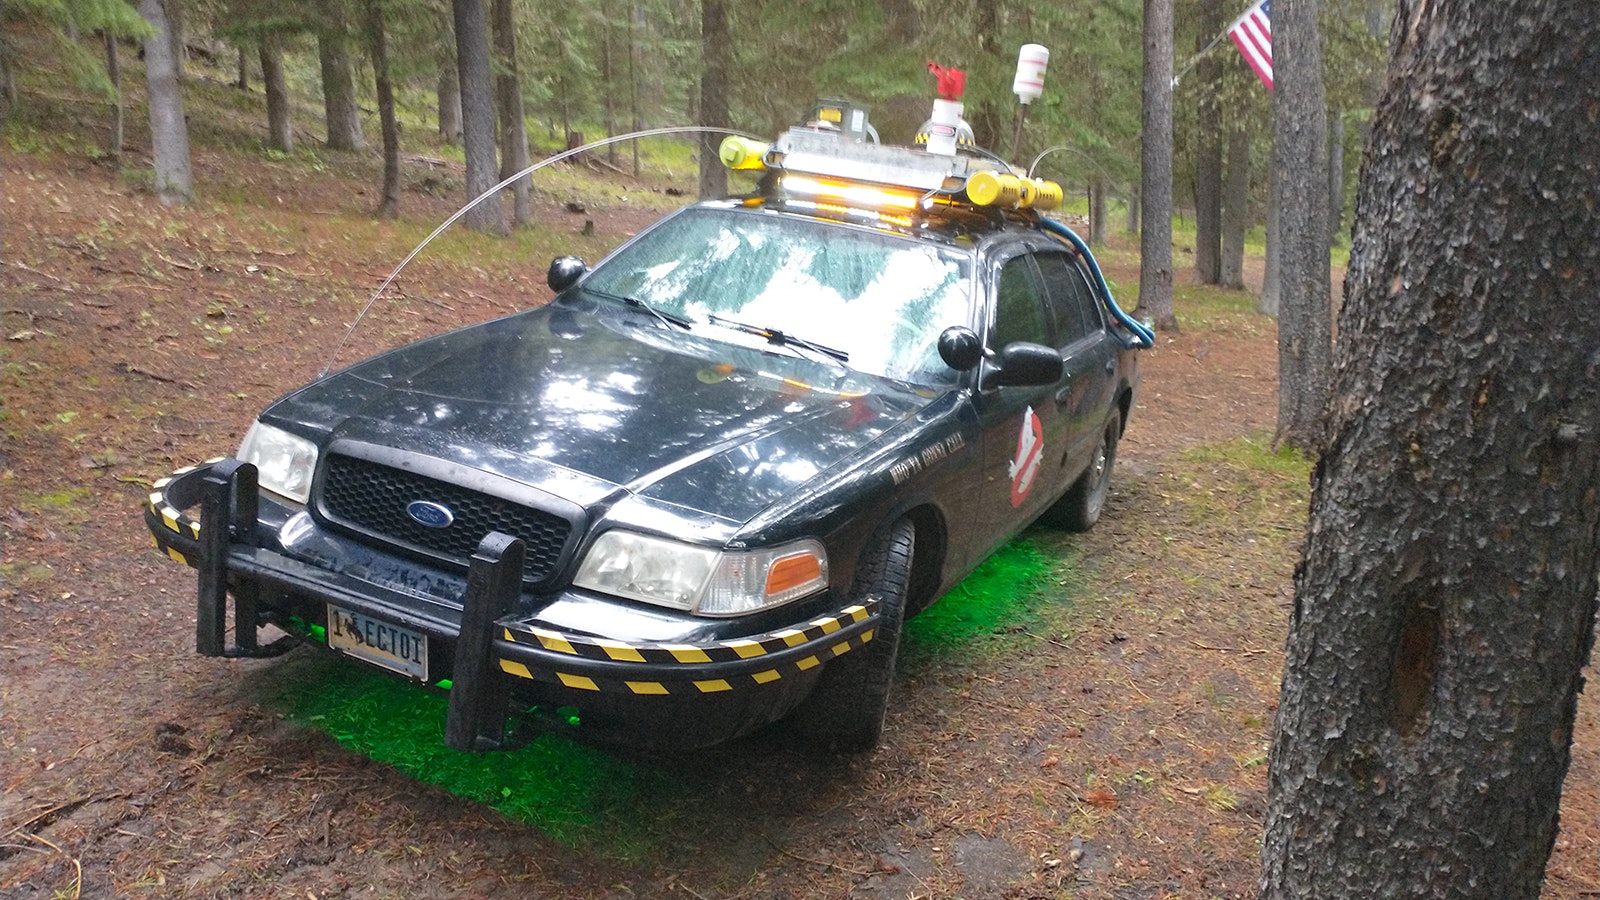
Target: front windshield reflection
(882, 298)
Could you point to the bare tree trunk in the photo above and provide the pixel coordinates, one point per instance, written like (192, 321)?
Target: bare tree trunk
(513, 124)
(477, 114)
(715, 51)
(635, 17)
(242, 80)
(1097, 211)
(1131, 212)
(280, 131)
(114, 73)
(342, 115)
(449, 86)
(1208, 152)
(1155, 170)
(1235, 208)
(608, 75)
(1272, 280)
(1335, 174)
(1445, 606)
(169, 132)
(389, 204)
(1300, 134)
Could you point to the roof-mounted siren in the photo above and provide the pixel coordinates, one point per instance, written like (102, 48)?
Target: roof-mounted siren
(1028, 85)
(945, 131)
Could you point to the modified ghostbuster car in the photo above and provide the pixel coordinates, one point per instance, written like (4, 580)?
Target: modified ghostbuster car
(702, 488)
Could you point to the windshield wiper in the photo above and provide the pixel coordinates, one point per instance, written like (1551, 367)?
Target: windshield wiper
(665, 317)
(782, 339)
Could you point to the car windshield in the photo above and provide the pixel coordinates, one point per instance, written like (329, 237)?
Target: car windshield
(881, 298)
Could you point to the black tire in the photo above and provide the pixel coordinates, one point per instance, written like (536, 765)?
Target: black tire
(845, 711)
(1080, 507)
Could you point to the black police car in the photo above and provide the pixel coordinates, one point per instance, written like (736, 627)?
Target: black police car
(702, 488)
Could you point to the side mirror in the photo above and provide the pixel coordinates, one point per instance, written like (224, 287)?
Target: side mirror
(960, 348)
(565, 272)
(1024, 363)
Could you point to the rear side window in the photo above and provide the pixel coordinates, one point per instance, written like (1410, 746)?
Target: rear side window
(1072, 302)
(1020, 313)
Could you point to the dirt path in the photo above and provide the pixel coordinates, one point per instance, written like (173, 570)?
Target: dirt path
(1108, 739)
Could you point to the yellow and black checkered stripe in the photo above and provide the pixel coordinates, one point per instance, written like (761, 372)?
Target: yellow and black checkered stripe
(170, 517)
(817, 635)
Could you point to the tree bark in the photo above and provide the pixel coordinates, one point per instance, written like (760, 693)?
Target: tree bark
(449, 85)
(280, 130)
(716, 49)
(1446, 602)
(513, 124)
(1235, 208)
(340, 111)
(1208, 152)
(1155, 170)
(477, 114)
(635, 25)
(169, 131)
(389, 198)
(1300, 132)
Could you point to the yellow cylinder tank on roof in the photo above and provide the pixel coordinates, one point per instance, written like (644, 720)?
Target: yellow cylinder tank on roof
(743, 153)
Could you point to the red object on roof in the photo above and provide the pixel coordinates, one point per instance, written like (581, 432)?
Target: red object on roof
(952, 82)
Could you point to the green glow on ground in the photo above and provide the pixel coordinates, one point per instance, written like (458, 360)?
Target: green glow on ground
(575, 794)
(999, 594)
(579, 795)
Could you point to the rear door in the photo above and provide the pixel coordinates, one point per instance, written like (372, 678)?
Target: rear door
(1089, 355)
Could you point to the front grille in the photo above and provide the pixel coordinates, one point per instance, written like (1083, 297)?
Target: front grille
(371, 499)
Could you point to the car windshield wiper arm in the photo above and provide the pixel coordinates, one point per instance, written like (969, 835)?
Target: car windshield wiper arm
(782, 339)
(665, 317)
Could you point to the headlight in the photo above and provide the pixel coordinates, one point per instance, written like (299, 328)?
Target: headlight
(286, 462)
(699, 579)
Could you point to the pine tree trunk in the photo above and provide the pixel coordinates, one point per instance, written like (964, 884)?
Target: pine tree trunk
(340, 112)
(114, 75)
(608, 80)
(1335, 174)
(1097, 211)
(715, 49)
(1155, 170)
(477, 114)
(377, 29)
(280, 131)
(1271, 280)
(449, 83)
(1300, 143)
(1446, 603)
(169, 131)
(513, 124)
(1208, 152)
(1235, 208)
(635, 23)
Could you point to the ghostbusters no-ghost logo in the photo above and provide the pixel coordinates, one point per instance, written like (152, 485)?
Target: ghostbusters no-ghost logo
(1030, 448)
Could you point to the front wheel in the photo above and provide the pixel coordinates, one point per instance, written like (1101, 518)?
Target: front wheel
(1080, 507)
(845, 712)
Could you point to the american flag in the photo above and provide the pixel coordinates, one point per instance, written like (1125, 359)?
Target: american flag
(1253, 34)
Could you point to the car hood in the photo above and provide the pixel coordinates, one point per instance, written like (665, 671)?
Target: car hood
(592, 402)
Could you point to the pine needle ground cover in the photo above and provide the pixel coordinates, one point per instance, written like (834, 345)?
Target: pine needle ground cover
(579, 795)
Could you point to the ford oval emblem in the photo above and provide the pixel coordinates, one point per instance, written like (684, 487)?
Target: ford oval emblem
(431, 514)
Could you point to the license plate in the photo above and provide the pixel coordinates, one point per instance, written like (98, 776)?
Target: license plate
(378, 642)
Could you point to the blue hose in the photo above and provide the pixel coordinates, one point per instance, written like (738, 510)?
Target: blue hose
(1142, 336)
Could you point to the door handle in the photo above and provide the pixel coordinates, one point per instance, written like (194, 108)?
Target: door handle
(1111, 366)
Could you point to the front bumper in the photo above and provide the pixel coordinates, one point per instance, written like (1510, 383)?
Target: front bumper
(488, 652)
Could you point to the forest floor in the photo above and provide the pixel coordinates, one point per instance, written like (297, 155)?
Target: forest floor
(1095, 727)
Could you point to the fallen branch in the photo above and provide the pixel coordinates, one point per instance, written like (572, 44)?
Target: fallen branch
(1245, 650)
